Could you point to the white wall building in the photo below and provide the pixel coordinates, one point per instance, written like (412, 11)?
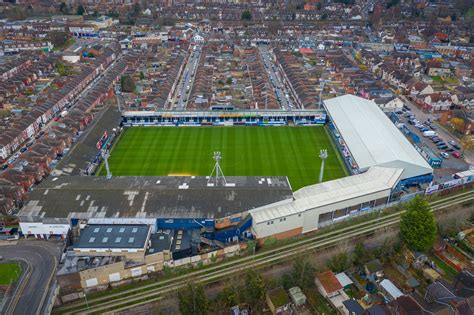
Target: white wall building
(321, 204)
(46, 228)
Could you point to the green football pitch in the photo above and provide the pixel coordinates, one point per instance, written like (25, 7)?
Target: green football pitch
(246, 151)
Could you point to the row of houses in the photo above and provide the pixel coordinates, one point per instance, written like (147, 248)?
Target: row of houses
(21, 130)
(37, 160)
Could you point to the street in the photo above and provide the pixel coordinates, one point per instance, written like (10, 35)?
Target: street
(41, 257)
(185, 84)
(276, 80)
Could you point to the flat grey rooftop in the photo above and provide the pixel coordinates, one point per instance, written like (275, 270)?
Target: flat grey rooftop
(113, 236)
(85, 197)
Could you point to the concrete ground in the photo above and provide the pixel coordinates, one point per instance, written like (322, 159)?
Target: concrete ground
(40, 259)
(84, 150)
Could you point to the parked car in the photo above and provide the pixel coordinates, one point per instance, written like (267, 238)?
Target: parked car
(443, 147)
(451, 142)
(457, 147)
(4, 167)
(456, 154)
(441, 143)
(444, 155)
(450, 150)
(433, 127)
(436, 139)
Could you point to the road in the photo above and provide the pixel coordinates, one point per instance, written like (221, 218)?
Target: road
(42, 259)
(155, 291)
(185, 84)
(276, 80)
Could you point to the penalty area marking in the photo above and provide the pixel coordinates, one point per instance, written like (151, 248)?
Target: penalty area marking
(180, 174)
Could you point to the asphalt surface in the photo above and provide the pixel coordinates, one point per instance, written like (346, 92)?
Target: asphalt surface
(187, 79)
(41, 257)
(276, 80)
(452, 163)
(84, 150)
(446, 136)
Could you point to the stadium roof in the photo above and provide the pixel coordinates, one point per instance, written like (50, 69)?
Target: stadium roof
(376, 179)
(372, 138)
(113, 236)
(85, 197)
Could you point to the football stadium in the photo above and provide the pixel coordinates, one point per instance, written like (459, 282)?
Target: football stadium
(246, 151)
(163, 171)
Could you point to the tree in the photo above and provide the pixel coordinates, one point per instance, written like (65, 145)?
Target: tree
(467, 143)
(62, 69)
(303, 273)
(193, 300)
(458, 123)
(137, 9)
(228, 81)
(58, 38)
(229, 296)
(417, 225)
(63, 8)
(127, 84)
(90, 55)
(339, 262)
(254, 289)
(360, 255)
(80, 10)
(142, 75)
(246, 15)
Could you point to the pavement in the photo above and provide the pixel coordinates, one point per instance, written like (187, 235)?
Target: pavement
(41, 258)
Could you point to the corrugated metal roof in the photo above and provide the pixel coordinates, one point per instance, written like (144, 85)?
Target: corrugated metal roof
(372, 138)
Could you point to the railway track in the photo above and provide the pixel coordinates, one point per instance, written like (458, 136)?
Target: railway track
(155, 291)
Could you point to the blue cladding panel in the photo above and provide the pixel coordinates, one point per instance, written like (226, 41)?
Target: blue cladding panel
(184, 224)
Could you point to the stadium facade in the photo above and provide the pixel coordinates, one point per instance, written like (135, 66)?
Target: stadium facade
(381, 160)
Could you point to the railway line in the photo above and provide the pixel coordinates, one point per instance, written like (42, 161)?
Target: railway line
(212, 273)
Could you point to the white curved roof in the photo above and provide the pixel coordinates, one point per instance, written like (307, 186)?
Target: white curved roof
(372, 138)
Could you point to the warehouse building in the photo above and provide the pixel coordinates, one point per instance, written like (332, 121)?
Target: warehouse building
(366, 137)
(315, 206)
